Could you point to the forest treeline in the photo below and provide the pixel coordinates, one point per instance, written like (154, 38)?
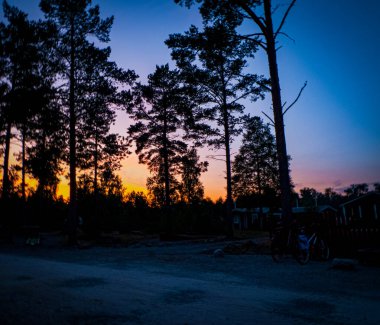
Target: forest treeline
(60, 94)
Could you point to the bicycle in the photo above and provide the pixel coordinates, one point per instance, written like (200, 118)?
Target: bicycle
(290, 240)
(318, 247)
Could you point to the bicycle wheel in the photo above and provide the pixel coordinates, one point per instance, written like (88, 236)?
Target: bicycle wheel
(302, 256)
(323, 250)
(277, 250)
(301, 248)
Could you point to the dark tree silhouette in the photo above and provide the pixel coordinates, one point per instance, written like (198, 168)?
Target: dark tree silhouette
(157, 191)
(330, 197)
(137, 200)
(31, 113)
(255, 167)
(356, 190)
(260, 12)
(159, 110)
(110, 183)
(19, 55)
(76, 21)
(310, 197)
(43, 123)
(100, 148)
(213, 61)
(191, 189)
(46, 151)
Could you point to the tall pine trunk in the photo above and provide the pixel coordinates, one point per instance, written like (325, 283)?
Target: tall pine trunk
(229, 201)
(72, 218)
(278, 116)
(96, 167)
(42, 181)
(260, 190)
(166, 165)
(227, 138)
(6, 183)
(168, 227)
(23, 167)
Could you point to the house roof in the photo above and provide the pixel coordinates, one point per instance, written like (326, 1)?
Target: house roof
(360, 198)
(318, 209)
(254, 210)
(240, 210)
(322, 208)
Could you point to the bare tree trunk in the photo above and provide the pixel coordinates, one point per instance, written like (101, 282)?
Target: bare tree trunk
(8, 135)
(266, 26)
(278, 116)
(5, 204)
(260, 190)
(42, 181)
(23, 171)
(167, 209)
(229, 201)
(96, 167)
(166, 174)
(72, 218)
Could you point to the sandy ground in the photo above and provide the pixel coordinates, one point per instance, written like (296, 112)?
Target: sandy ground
(179, 284)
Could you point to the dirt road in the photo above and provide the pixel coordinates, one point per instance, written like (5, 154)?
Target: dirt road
(179, 284)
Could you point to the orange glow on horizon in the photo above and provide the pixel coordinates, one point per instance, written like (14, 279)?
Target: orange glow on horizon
(134, 177)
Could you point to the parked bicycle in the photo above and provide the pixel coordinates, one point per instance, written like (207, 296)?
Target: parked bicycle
(319, 249)
(290, 240)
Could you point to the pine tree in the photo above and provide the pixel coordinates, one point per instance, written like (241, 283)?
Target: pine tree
(19, 57)
(77, 20)
(191, 188)
(255, 167)
(100, 147)
(158, 110)
(213, 61)
(234, 13)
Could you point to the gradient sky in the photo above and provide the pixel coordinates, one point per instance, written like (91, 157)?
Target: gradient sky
(333, 132)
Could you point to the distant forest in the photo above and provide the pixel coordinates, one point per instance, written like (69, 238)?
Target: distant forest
(60, 94)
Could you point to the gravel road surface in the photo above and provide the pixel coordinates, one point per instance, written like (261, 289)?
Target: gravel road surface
(179, 284)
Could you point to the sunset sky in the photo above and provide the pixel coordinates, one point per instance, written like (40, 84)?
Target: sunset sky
(333, 132)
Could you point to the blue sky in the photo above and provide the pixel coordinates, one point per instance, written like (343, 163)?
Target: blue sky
(333, 132)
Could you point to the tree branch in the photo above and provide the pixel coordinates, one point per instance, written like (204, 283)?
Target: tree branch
(265, 86)
(242, 4)
(270, 119)
(299, 95)
(284, 18)
(148, 117)
(242, 96)
(213, 157)
(259, 43)
(286, 35)
(254, 34)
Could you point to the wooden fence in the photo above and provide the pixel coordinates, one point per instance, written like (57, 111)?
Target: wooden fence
(348, 239)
